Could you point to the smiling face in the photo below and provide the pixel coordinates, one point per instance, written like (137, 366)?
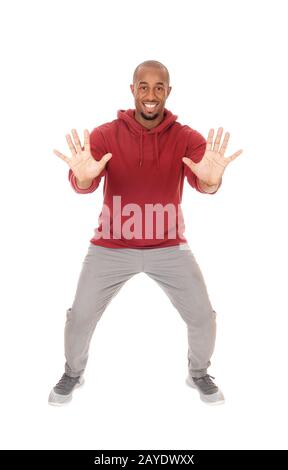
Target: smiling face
(150, 90)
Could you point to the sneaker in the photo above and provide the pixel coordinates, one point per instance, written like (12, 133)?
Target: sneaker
(209, 392)
(63, 390)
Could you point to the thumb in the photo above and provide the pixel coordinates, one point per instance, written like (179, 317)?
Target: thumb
(187, 161)
(105, 159)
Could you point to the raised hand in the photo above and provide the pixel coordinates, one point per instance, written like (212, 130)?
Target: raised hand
(211, 168)
(82, 163)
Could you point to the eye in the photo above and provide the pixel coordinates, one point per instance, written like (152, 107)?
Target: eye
(143, 87)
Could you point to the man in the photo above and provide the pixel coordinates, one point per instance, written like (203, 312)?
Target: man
(144, 156)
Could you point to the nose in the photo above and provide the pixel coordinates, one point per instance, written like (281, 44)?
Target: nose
(150, 95)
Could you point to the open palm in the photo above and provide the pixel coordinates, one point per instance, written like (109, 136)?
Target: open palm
(82, 163)
(211, 168)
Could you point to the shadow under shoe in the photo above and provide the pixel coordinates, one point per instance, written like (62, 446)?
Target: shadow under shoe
(209, 392)
(63, 390)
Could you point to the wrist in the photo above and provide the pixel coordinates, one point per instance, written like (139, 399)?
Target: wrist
(83, 184)
(208, 188)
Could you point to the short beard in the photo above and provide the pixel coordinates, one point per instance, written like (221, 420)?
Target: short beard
(149, 118)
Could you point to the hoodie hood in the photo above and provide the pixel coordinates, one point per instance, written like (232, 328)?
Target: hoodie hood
(137, 129)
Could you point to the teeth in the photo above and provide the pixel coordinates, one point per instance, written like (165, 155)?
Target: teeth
(150, 105)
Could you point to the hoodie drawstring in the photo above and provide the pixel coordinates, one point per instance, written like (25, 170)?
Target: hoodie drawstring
(155, 149)
(141, 148)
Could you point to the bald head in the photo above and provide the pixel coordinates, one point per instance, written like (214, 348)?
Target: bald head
(151, 63)
(150, 89)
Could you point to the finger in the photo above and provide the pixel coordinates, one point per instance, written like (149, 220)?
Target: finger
(105, 159)
(71, 145)
(60, 155)
(224, 144)
(188, 162)
(77, 141)
(210, 140)
(86, 140)
(235, 155)
(217, 140)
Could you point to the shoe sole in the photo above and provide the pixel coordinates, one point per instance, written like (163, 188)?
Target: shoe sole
(55, 399)
(217, 398)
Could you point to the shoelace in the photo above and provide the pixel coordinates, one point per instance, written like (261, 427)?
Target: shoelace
(207, 378)
(65, 379)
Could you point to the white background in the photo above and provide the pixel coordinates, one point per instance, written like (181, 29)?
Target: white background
(70, 64)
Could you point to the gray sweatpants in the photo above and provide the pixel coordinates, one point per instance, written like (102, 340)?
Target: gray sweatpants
(104, 272)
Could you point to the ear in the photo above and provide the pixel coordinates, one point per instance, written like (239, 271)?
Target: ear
(132, 89)
(169, 89)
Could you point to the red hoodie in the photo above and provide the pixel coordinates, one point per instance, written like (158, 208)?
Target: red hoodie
(146, 169)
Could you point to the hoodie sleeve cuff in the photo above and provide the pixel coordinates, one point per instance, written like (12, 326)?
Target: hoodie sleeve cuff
(94, 185)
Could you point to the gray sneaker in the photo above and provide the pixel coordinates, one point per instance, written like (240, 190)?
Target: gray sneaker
(63, 390)
(209, 392)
